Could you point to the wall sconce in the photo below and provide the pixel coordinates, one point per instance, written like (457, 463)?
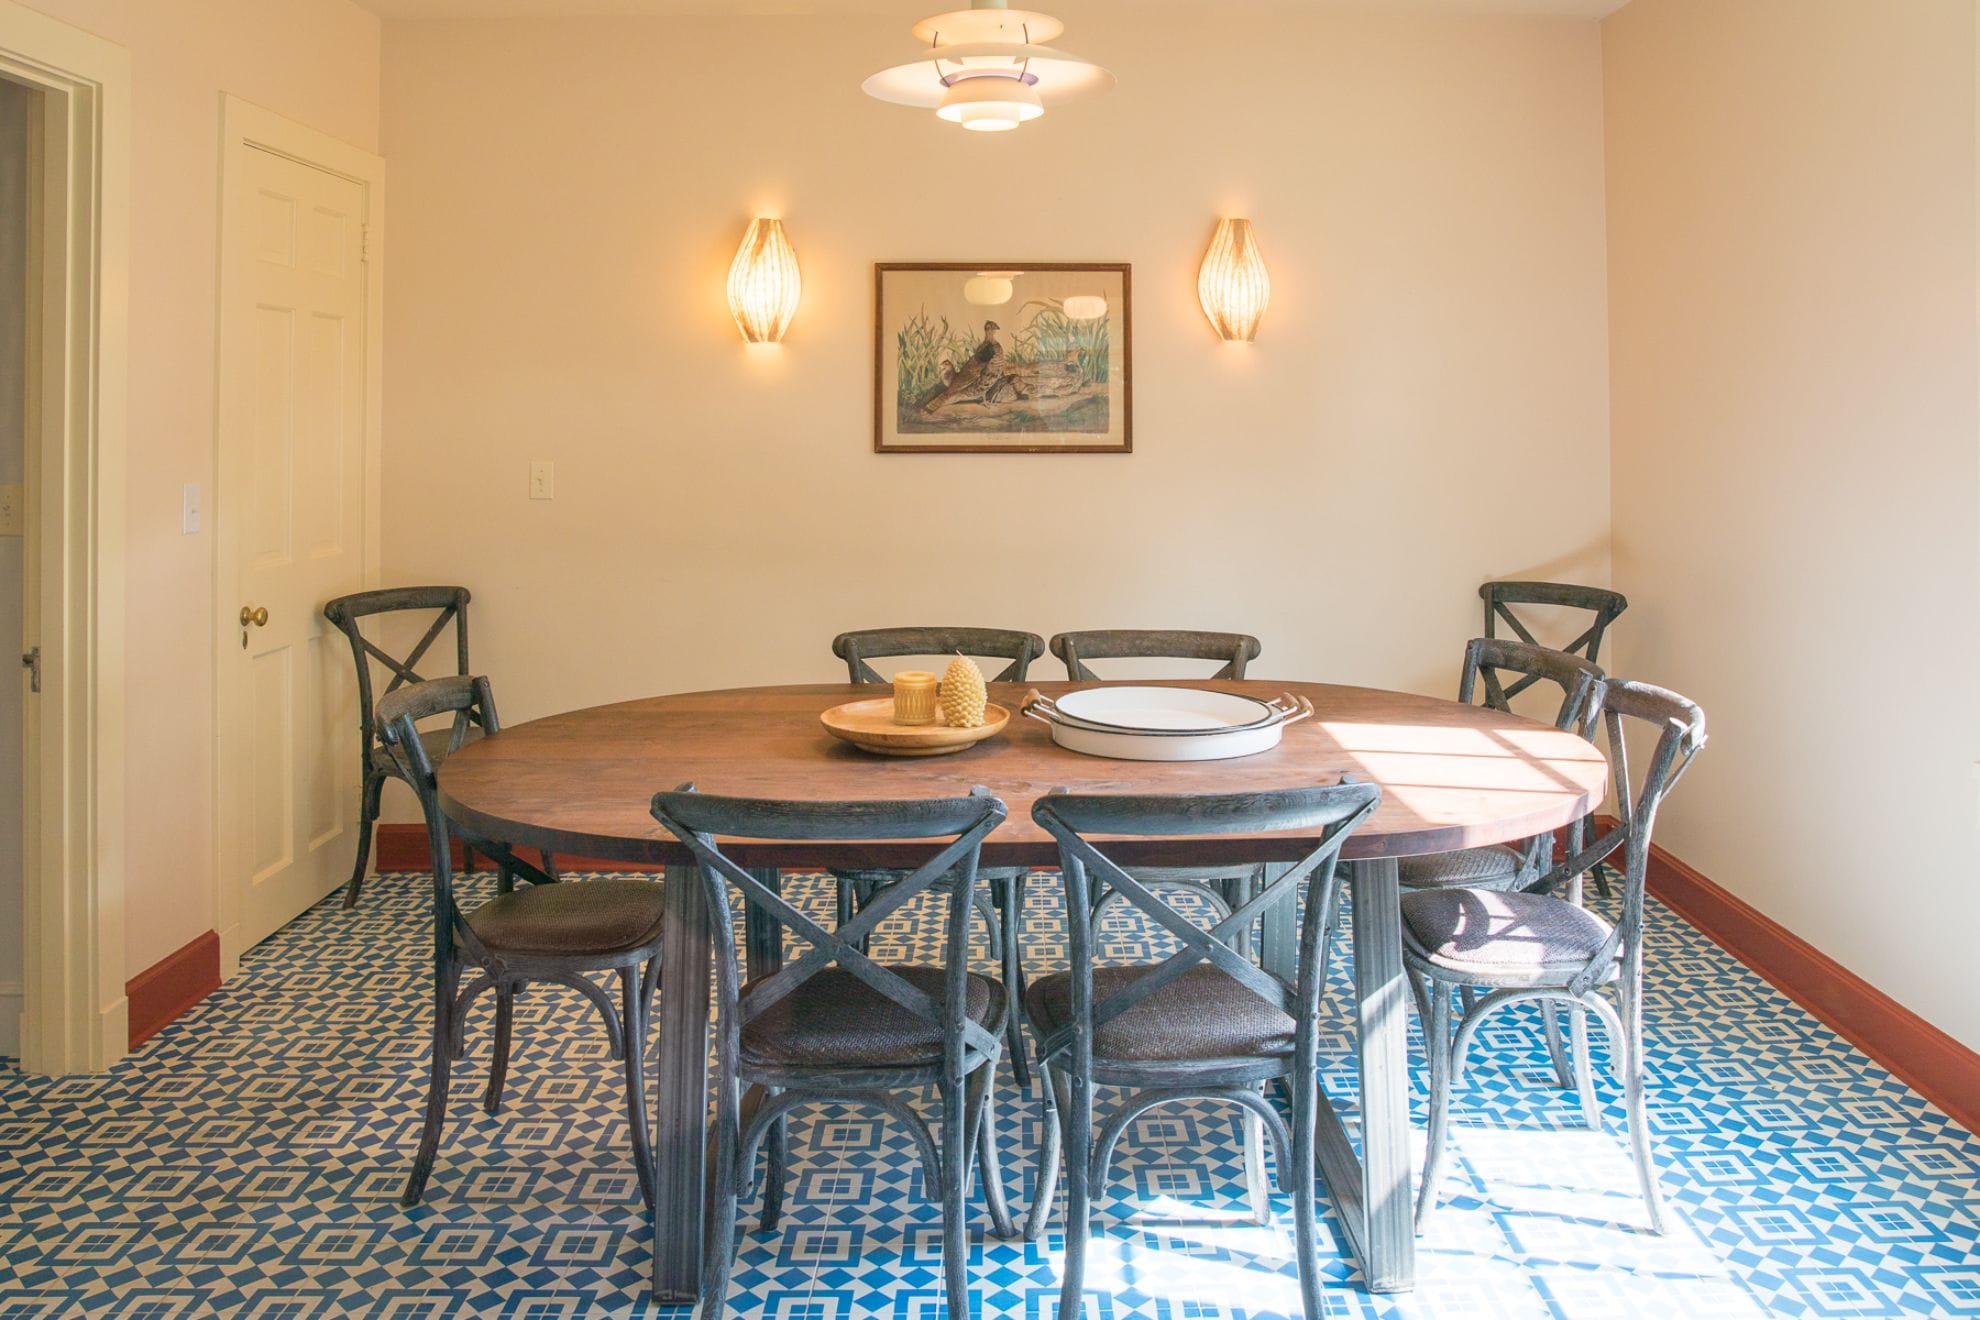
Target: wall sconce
(1232, 284)
(764, 283)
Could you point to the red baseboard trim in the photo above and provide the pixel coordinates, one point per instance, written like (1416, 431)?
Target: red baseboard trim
(1925, 1058)
(161, 992)
(403, 848)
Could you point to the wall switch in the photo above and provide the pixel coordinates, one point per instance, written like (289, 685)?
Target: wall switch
(13, 510)
(543, 481)
(189, 509)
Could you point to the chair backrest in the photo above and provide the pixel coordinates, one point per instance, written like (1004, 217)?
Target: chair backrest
(1602, 604)
(1489, 660)
(1019, 648)
(1074, 649)
(470, 700)
(1679, 726)
(347, 613)
(697, 819)
(1331, 814)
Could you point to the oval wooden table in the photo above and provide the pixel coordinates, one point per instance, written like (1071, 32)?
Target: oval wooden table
(1452, 777)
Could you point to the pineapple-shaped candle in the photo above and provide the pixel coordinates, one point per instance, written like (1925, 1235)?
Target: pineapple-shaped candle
(963, 694)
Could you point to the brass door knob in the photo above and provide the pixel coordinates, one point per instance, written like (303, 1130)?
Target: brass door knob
(257, 617)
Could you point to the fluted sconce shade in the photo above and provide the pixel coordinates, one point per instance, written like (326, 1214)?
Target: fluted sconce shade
(1232, 283)
(764, 283)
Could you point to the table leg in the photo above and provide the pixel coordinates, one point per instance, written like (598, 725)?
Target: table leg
(763, 934)
(1381, 992)
(1278, 943)
(681, 1140)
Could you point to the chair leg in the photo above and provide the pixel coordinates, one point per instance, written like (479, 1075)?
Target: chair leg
(776, 1159)
(1304, 1178)
(440, 1072)
(368, 798)
(1437, 1052)
(721, 1236)
(955, 1180)
(498, 1066)
(1631, 989)
(1550, 1030)
(989, 1160)
(1584, 1073)
(1050, 1145)
(1013, 951)
(634, 1018)
(1077, 1103)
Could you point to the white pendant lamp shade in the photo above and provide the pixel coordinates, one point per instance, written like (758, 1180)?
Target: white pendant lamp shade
(764, 285)
(1232, 284)
(990, 288)
(987, 68)
(1085, 307)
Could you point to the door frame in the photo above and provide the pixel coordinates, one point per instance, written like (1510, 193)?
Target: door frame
(246, 127)
(74, 1016)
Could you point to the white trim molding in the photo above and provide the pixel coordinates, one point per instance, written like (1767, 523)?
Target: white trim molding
(75, 1017)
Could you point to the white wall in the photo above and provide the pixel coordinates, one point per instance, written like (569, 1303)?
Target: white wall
(15, 105)
(315, 61)
(1426, 406)
(1792, 281)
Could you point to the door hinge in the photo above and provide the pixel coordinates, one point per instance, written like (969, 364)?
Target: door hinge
(364, 242)
(31, 661)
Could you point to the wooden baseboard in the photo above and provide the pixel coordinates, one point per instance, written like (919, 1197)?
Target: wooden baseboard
(1922, 1056)
(169, 987)
(402, 847)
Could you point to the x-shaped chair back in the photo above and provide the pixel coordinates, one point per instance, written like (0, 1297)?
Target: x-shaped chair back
(1680, 729)
(1601, 604)
(1332, 813)
(468, 698)
(346, 612)
(696, 819)
(1074, 649)
(1018, 648)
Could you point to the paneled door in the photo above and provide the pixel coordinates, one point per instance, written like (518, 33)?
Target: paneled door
(291, 505)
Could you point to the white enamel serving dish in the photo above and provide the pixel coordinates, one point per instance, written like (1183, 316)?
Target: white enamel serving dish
(1168, 724)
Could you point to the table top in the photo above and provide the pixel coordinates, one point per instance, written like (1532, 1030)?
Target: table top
(580, 783)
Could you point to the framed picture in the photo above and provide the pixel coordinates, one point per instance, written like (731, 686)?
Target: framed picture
(990, 357)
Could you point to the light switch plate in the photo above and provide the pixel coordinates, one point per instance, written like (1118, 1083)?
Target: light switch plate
(543, 481)
(189, 509)
(13, 511)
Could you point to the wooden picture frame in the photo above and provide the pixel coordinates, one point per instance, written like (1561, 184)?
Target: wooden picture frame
(1054, 375)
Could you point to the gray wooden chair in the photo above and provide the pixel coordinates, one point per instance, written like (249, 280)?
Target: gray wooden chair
(835, 1027)
(1536, 946)
(1600, 604)
(1204, 1023)
(546, 931)
(1000, 898)
(1074, 649)
(1224, 887)
(375, 764)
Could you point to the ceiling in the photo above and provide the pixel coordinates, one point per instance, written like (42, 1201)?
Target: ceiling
(431, 9)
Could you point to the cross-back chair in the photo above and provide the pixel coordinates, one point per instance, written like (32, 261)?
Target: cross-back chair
(1527, 946)
(1074, 649)
(547, 931)
(1223, 887)
(1205, 1022)
(1602, 606)
(834, 1026)
(348, 614)
(1000, 896)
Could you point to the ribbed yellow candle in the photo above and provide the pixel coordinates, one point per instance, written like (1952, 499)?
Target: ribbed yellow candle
(914, 697)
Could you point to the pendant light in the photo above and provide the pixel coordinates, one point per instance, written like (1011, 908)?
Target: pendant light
(987, 68)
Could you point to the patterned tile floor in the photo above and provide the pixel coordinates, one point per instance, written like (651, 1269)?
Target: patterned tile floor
(247, 1161)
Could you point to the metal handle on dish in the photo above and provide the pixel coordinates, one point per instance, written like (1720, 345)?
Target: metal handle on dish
(1294, 709)
(1035, 701)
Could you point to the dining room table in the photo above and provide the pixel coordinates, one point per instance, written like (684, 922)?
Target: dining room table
(1453, 776)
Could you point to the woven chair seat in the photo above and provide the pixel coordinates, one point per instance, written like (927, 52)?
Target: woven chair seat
(578, 917)
(1501, 935)
(435, 741)
(836, 1020)
(1202, 1014)
(1466, 866)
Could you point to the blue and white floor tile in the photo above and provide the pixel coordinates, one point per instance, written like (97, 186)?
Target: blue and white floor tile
(247, 1163)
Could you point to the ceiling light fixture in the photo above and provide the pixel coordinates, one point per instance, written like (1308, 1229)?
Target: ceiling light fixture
(988, 69)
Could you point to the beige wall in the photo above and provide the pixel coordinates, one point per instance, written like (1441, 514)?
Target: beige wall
(313, 60)
(16, 106)
(1426, 407)
(1791, 203)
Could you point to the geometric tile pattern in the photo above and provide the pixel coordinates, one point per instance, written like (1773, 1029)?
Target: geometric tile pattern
(247, 1162)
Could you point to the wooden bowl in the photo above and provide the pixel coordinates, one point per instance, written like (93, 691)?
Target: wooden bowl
(869, 725)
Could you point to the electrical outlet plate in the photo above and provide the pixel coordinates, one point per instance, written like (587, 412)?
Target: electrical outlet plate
(13, 511)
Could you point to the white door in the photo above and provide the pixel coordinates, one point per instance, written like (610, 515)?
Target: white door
(291, 501)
